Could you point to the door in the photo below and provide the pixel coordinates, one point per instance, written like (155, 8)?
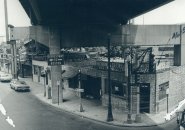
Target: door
(92, 87)
(145, 98)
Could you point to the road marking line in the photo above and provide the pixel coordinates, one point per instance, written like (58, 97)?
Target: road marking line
(2, 109)
(8, 119)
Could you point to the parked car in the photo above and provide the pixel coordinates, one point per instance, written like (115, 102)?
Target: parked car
(181, 119)
(19, 85)
(179, 108)
(5, 77)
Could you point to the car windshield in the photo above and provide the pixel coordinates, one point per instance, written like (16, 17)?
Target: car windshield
(5, 75)
(20, 82)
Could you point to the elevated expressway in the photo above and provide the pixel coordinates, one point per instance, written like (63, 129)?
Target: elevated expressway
(76, 23)
(84, 22)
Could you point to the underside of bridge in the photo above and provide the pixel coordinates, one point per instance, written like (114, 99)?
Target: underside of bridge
(86, 22)
(66, 12)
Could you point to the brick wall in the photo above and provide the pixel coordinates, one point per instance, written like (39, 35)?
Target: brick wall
(162, 77)
(117, 103)
(176, 78)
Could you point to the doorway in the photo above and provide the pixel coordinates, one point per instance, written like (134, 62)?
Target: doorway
(145, 97)
(92, 87)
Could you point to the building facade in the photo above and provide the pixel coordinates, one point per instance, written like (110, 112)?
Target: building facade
(149, 94)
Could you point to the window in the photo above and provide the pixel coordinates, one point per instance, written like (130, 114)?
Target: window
(118, 89)
(35, 69)
(162, 90)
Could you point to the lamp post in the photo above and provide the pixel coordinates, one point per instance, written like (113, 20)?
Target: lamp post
(109, 116)
(167, 94)
(80, 90)
(129, 119)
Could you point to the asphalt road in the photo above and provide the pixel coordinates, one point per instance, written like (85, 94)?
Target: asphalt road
(29, 113)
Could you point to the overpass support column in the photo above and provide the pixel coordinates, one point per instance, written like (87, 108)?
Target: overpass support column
(54, 48)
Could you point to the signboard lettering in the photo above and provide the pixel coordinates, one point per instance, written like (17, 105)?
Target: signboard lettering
(102, 65)
(177, 34)
(55, 60)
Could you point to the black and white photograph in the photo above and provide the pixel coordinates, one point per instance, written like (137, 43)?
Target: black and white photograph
(92, 65)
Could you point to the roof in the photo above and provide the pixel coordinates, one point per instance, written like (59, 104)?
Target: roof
(76, 12)
(69, 74)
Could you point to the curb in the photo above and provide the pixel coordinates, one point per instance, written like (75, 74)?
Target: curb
(99, 121)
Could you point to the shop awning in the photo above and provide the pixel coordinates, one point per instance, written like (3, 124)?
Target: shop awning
(69, 74)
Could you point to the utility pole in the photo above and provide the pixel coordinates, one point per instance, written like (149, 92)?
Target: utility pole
(6, 20)
(128, 74)
(6, 24)
(11, 41)
(109, 116)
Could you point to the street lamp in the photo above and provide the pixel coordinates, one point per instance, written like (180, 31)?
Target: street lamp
(80, 90)
(109, 116)
(167, 94)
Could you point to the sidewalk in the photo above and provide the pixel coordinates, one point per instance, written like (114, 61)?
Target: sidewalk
(93, 109)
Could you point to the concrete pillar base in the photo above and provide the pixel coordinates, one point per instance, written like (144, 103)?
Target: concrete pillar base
(138, 118)
(81, 108)
(48, 92)
(129, 119)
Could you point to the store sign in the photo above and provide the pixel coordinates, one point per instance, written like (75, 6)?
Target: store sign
(54, 60)
(177, 34)
(75, 56)
(164, 86)
(115, 66)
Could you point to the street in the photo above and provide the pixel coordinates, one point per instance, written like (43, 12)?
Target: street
(29, 113)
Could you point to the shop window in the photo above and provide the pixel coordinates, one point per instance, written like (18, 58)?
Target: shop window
(162, 90)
